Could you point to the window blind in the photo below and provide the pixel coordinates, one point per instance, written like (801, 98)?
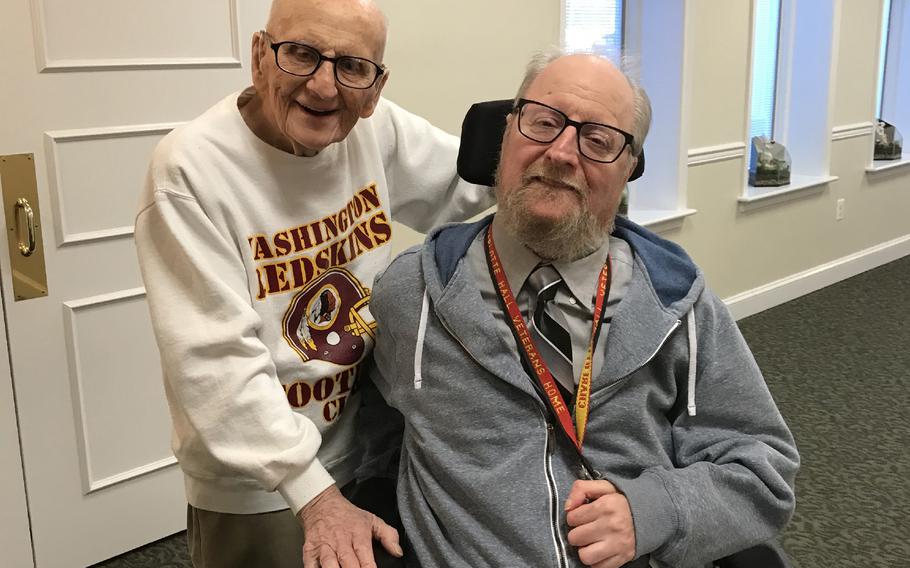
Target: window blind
(764, 67)
(593, 26)
(883, 60)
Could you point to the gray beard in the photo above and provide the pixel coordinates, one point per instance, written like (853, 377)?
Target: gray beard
(570, 238)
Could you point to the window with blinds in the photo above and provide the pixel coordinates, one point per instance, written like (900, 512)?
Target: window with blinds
(593, 26)
(764, 67)
(883, 60)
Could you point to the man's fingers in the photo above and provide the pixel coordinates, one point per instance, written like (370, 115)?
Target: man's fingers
(610, 511)
(585, 490)
(584, 534)
(340, 535)
(603, 555)
(310, 558)
(349, 558)
(365, 556)
(327, 557)
(595, 554)
(388, 536)
(584, 514)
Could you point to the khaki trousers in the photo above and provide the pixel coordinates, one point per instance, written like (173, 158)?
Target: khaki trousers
(226, 540)
(275, 539)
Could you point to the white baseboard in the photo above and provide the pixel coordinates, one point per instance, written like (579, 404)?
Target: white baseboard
(780, 291)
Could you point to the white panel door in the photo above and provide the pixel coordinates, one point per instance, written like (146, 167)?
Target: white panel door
(88, 88)
(14, 537)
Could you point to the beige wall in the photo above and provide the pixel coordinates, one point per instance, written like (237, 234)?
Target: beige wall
(857, 58)
(717, 71)
(445, 56)
(482, 48)
(740, 250)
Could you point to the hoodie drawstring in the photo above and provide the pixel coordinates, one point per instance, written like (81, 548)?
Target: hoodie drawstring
(421, 333)
(693, 359)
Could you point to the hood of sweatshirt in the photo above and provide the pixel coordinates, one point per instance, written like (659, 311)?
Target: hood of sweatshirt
(664, 287)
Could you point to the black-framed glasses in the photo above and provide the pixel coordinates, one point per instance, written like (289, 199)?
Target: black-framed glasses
(303, 60)
(598, 142)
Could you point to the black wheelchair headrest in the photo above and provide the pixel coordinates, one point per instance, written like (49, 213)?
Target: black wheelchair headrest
(481, 137)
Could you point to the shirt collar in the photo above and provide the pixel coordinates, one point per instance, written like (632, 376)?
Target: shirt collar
(581, 275)
(518, 261)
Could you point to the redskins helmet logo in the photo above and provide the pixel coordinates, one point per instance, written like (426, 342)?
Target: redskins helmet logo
(324, 322)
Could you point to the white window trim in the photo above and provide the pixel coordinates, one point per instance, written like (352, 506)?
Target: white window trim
(889, 165)
(666, 172)
(818, 175)
(661, 220)
(897, 30)
(659, 34)
(895, 91)
(799, 186)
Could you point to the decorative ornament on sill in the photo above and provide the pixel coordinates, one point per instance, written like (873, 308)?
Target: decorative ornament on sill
(888, 141)
(770, 163)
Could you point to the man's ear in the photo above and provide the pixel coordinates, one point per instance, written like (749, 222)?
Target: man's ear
(632, 164)
(510, 118)
(256, 54)
(370, 106)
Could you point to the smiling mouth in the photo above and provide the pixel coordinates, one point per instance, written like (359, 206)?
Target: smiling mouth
(554, 183)
(315, 112)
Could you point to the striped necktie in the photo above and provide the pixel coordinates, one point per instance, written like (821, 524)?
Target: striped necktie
(552, 337)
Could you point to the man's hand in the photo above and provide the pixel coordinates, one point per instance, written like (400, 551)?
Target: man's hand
(339, 535)
(601, 522)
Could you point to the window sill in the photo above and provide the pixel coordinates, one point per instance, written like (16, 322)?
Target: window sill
(799, 186)
(887, 165)
(660, 220)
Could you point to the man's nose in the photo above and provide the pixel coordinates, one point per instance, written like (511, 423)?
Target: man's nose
(322, 81)
(565, 148)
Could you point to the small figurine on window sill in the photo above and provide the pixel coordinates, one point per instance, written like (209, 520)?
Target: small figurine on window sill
(888, 141)
(770, 163)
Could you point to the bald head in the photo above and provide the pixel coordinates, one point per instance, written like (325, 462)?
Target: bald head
(304, 113)
(641, 104)
(363, 15)
(565, 155)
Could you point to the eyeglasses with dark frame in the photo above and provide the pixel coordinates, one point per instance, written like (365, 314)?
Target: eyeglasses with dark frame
(598, 142)
(303, 60)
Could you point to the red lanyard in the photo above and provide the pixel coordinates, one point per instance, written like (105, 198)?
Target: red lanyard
(576, 431)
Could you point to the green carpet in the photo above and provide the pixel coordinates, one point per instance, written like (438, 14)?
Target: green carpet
(838, 364)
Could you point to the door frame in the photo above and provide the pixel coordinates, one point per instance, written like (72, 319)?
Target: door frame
(15, 527)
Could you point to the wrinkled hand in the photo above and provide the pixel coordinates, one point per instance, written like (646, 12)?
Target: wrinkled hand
(601, 522)
(339, 535)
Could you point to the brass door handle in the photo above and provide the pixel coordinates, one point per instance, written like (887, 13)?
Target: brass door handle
(26, 248)
(21, 206)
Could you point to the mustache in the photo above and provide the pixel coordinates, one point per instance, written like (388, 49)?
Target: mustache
(553, 175)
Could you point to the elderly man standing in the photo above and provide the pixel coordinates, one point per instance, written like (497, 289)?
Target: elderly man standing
(261, 228)
(572, 392)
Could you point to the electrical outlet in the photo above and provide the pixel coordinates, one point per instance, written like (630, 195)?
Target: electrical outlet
(839, 212)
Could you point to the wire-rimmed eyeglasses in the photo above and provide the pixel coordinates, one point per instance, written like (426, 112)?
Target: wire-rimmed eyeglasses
(598, 142)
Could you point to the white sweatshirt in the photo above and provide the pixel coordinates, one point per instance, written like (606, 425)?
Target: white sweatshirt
(258, 266)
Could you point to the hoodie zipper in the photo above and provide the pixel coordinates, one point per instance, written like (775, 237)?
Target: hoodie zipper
(558, 544)
(460, 342)
(659, 346)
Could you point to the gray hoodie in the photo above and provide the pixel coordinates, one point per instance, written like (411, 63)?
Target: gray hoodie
(681, 421)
